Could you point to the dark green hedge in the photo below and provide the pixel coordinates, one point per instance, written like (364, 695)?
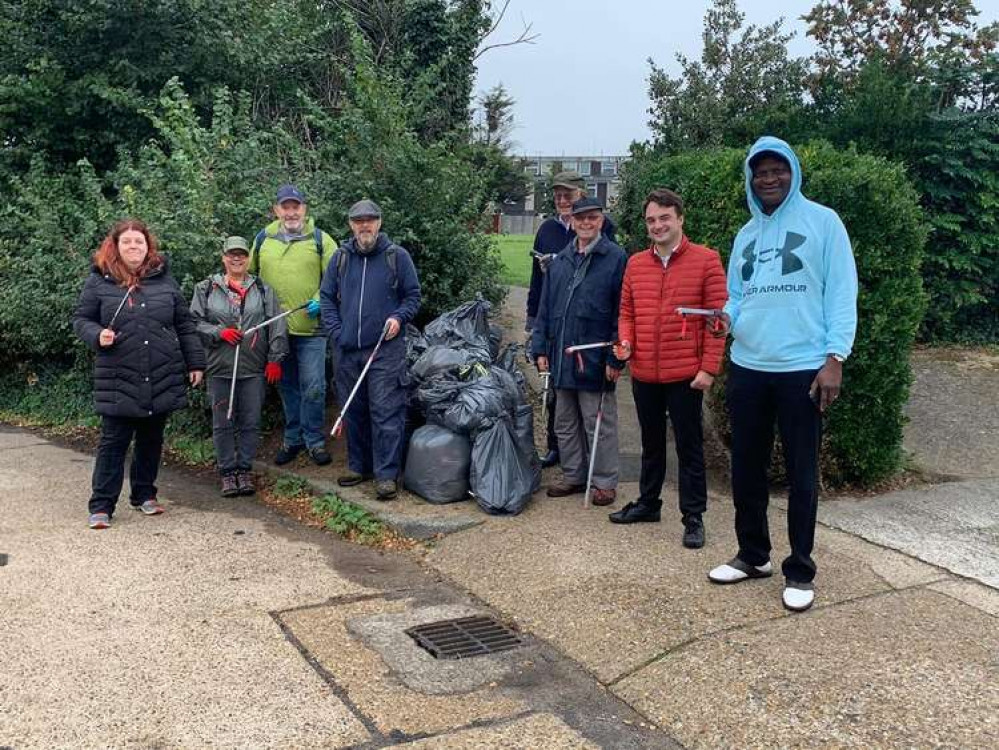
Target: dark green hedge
(875, 199)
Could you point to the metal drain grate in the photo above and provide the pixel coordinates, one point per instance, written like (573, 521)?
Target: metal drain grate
(464, 637)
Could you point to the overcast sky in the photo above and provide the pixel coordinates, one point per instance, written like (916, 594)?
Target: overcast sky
(582, 87)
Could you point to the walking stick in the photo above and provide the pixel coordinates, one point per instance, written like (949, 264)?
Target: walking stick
(239, 345)
(338, 425)
(593, 448)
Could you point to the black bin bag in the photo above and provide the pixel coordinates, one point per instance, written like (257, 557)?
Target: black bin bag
(437, 465)
(501, 477)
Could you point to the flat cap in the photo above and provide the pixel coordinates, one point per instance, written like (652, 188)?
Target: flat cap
(569, 179)
(586, 204)
(235, 244)
(365, 209)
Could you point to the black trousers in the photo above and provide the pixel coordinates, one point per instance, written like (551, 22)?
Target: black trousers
(755, 400)
(657, 404)
(109, 469)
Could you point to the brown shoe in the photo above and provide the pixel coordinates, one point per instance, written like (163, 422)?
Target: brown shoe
(563, 488)
(603, 497)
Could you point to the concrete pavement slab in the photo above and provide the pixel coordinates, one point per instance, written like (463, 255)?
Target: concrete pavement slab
(537, 731)
(614, 597)
(900, 670)
(372, 685)
(954, 525)
(156, 632)
(971, 593)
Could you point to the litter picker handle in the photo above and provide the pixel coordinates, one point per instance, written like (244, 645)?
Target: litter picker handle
(338, 425)
(267, 322)
(583, 347)
(698, 311)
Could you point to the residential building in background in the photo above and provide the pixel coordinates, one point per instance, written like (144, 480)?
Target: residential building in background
(602, 175)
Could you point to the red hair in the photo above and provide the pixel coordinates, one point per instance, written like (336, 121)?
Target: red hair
(109, 260)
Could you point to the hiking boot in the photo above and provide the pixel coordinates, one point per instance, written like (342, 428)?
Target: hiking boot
(99, 521)
(149, 507)
(244, 481)
(603, 497)
(385, 489)
(564, 488)
(230, 486)
(319, 456)
(287, 454)
(693, 532)
(350, 479)
(735, 570)
(635, 512)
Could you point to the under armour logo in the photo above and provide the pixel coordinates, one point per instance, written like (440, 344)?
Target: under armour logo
(790, 263)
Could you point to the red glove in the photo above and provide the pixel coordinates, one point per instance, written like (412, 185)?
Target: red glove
(272, 372)
(231, 336)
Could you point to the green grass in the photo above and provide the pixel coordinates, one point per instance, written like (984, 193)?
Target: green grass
(515, 250)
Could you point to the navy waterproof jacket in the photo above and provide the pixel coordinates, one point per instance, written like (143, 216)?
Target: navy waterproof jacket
(356, 306)
(580, 300)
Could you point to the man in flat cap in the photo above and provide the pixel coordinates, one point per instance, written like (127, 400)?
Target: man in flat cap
(554, 234)
(290, 255)
(372, 286)
(580, 299)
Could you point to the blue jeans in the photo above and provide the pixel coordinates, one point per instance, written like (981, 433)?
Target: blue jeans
(303, 391)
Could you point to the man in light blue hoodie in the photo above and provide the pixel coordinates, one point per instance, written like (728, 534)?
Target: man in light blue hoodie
(792, 313)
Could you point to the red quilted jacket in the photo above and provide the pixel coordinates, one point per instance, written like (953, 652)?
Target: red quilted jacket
(664, 350)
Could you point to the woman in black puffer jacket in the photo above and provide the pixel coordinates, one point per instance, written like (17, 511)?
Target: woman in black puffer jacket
(132, 314)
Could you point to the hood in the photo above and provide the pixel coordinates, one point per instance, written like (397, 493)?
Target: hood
(781, 148)
(274, 230)
(382, 242)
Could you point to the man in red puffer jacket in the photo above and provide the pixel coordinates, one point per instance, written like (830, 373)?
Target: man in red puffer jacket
(673, 358)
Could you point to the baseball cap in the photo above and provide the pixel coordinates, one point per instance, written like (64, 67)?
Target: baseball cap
(586, 204)
(289, 193)
(235, 244)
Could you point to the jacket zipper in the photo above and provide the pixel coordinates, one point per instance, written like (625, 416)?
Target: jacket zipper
(360, 302)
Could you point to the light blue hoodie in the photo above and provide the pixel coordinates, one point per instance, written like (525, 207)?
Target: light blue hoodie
(796, 301)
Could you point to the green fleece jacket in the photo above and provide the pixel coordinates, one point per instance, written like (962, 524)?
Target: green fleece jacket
(293, 267)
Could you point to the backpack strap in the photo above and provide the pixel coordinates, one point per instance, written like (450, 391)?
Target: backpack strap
(391, 260)
(317, 236)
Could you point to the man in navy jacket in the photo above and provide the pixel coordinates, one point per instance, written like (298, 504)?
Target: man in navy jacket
(579, 304)
(371, 285)
(554, 234)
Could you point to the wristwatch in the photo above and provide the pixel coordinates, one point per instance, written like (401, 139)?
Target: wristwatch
(838, 357)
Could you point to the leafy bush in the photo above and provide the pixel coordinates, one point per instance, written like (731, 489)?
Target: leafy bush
(863, 436)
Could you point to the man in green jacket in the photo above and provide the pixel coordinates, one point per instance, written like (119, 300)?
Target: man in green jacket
(291, 255)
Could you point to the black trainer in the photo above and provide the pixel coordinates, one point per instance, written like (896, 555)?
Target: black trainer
(319, 456)
(549, 459)
(693, 532)
(635, 512)
(287, 454)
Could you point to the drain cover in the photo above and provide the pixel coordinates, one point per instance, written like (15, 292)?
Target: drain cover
(464, 637)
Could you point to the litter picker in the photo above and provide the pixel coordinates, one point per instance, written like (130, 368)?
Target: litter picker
(544, 395)
(593, 448)
(239, 345)
(570, 350)
(128, 293)
(714, 317)
(338, 425)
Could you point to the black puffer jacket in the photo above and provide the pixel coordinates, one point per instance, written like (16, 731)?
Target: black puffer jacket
(144, 372)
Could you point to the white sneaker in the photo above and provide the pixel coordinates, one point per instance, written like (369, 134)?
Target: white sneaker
(736, 570)
(798, 596)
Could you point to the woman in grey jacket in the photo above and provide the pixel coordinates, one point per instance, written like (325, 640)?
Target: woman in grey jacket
(224, 306)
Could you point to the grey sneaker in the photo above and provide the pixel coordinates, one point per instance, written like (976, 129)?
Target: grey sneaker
(319, 456)
(149, 508)
(99, 521)
(230, 486)
(385, 489)
(244, 480)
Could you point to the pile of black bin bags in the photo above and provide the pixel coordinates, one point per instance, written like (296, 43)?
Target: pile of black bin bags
(477, 432)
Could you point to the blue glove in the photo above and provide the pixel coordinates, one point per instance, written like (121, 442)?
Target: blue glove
(312, 309)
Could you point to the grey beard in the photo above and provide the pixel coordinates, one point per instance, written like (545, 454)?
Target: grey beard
(366, 247)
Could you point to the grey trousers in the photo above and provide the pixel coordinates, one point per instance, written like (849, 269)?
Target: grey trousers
(575, 419)
(236, 440)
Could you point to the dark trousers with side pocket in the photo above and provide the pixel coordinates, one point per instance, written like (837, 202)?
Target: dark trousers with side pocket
(657, 404)
(109, 467)
(756, 400)
(376, 419)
